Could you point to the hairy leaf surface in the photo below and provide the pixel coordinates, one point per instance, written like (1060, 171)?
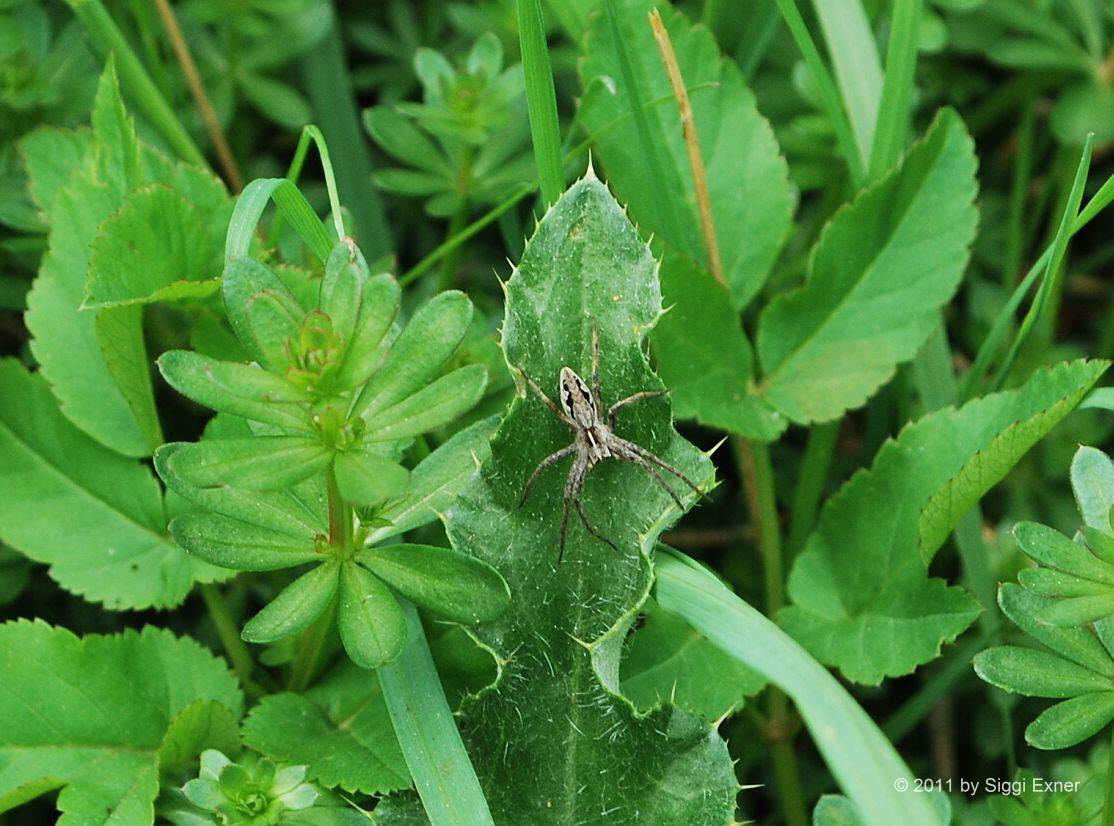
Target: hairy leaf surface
(863, 600)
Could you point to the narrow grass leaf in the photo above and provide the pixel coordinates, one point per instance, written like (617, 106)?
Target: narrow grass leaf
(541, 99)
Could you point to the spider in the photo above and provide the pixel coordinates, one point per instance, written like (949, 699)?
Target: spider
(594, 441)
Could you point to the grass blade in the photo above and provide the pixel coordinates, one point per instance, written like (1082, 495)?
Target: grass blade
(108, 39)
(897, 90)
(541, 100)
(1056, 259)
(860, 757)
(857, 68)
(290, 201)
(427, 732)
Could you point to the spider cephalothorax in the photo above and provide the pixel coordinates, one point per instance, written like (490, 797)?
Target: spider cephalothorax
(594, 440)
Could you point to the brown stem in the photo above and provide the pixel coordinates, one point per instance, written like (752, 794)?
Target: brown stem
(696, 161)
(193, 78)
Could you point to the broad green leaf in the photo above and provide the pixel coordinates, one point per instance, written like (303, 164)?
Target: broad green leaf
(94, 516)
(240, 389)
(438, 479)
(299, 512)
(1071, 721)
(748, 182)
(1092, 482)
(434, 405)
(231, 543)
(296, 606)
(418, 354)
(668, 660)
(550, 739)
(64, 339)
(863, 600)
(155, 247)
(862, 760)
(704, 357)
(203, 724)
(367, 479)
(339, 729)
(253, 462)
(93, 716)
(372, 625)
(51, 155)
(118, 154)
(1036, 673)
(449, 583)
(879, 274)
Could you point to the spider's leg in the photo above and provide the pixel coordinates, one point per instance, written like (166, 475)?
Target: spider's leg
(637, 397)
(546, 462)
(558, 412)
(664, 465)
(572, 488)
(596, 365)
(572, 494)
(635, 459)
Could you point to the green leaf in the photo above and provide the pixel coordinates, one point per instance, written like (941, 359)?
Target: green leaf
(378, 308)
(253, 462)
(862, 760)
(240, 389)
(668, 660)
(64, 338)
(438, 480)
(418, 354)
(372, 625)
(451, 584)
(119, 333)
(1036, 673)
(242, 281)
(1071, 722)
(294, 208)
(203, 724)
(51, 155)
(94, 516)
(339, 729)
(156, 247)
(879, 274)
(555, 706)
(862, 597)
(1076, 644)
(434, 405)
(1050, 547)
(400, 138)
(1092, 482)
(296, 606)
(704, 357)
(231, 543)
(93, 716)
(367, 479)
(115, 131)
(752, 202)
(274, 320)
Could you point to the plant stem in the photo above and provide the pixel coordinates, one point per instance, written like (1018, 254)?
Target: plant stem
(427, 734)
(229, 633)
(810, 483)
(1108, 807)
(107, 38)
(447, 276)
(692, 145)
(310, 648)
(197, 89)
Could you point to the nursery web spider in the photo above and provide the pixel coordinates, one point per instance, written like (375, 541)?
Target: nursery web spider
(593, 441)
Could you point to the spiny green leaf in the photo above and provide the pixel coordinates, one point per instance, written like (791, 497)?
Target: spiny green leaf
(748, 183)
(371, 622)
(94, 516)
(296, 606)
(451, 584)
(92, 716)
(339, 729)
(880, 272)
(862, 596)
(550, 738)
